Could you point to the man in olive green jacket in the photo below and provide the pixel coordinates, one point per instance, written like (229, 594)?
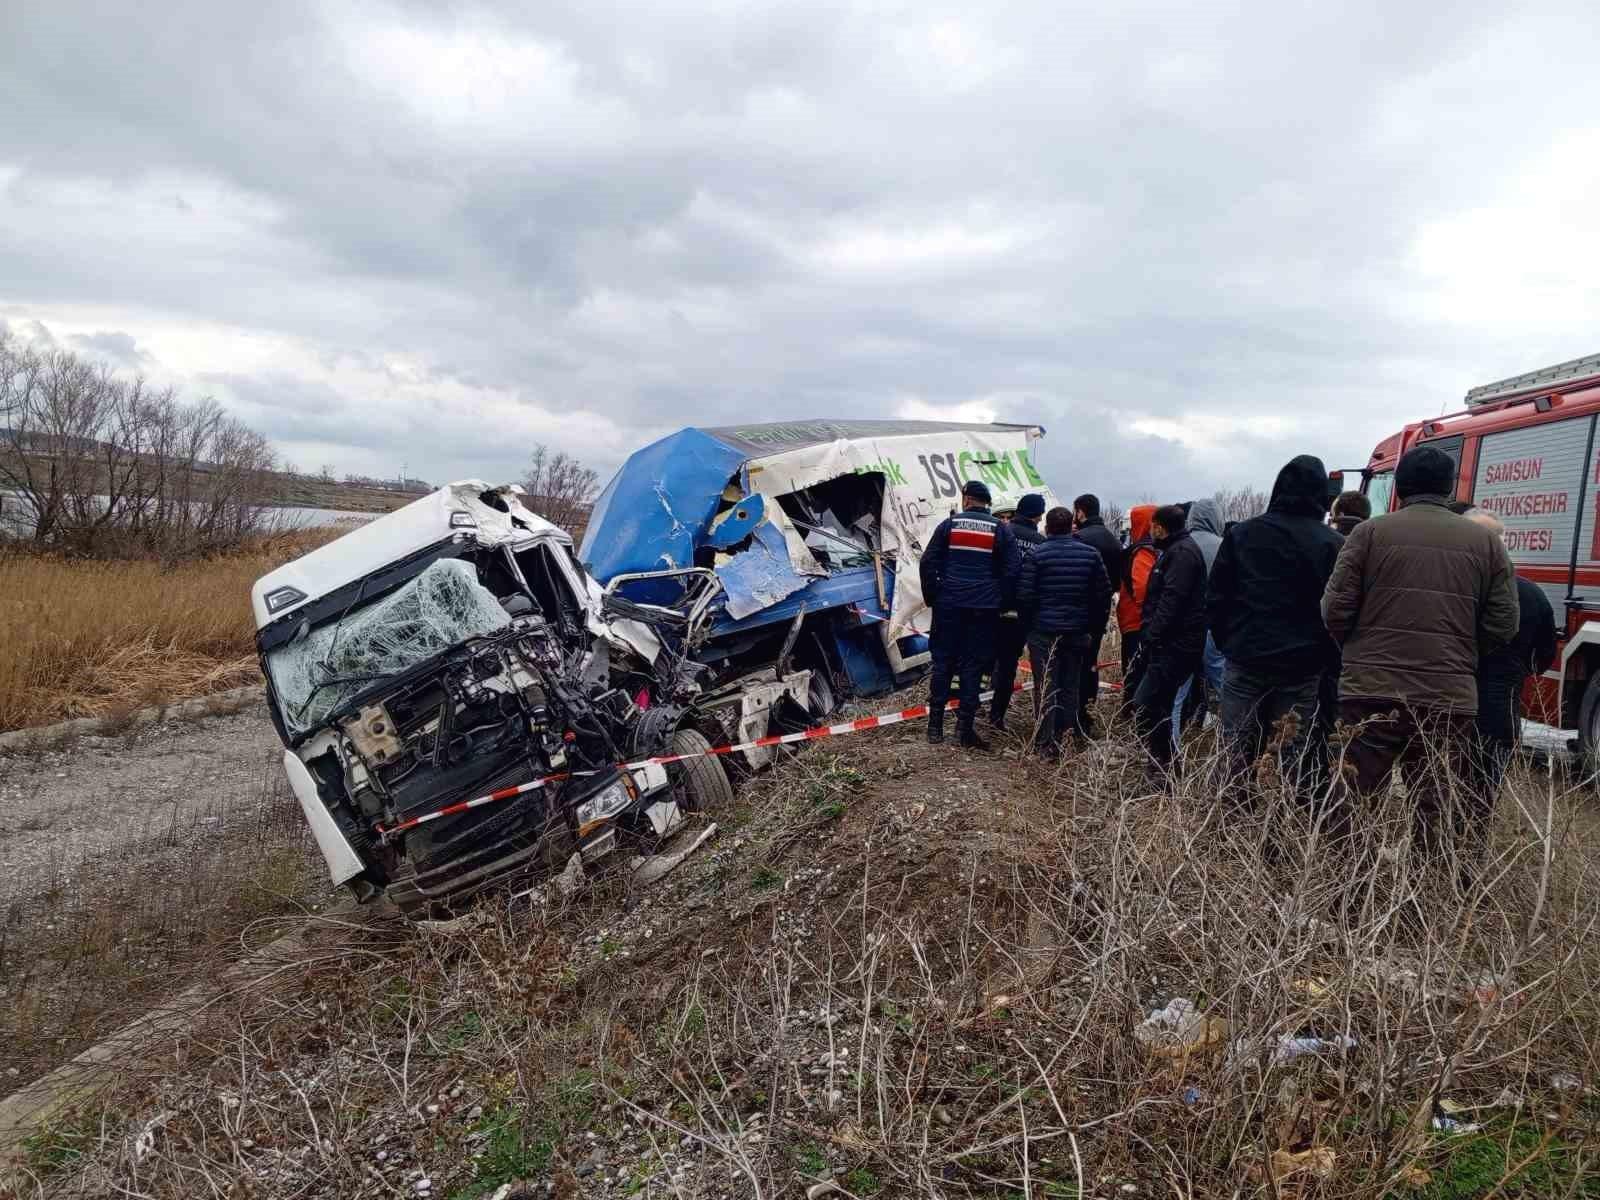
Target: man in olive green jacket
(1415, 596)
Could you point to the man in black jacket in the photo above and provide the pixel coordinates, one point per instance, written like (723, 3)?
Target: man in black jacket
(969, 563)
(1174, 623)
(1503, 671)
(1011, 639)
(1264, 603)
(1064, 583)
(1092, 530)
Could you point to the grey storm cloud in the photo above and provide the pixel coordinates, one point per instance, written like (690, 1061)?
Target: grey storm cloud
(1189, 242)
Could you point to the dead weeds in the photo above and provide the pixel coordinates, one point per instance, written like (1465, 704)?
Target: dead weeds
(901, 972)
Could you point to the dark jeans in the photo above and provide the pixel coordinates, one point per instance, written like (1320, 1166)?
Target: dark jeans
(1435, 751)
(963, 645)
(1163, 675)
(1057, 660)
(1089, 681)
(1498, 722)
(1011, 639)
(1133, 664)
(1253, 704)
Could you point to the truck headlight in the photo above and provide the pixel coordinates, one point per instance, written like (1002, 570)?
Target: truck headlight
(604, 805)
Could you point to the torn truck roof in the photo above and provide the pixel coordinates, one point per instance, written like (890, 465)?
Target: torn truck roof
(756, 503)
(456, 508)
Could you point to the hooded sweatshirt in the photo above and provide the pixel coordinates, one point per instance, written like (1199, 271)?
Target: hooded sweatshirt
(1264, 599)
(1137, 565)
(1205, 523)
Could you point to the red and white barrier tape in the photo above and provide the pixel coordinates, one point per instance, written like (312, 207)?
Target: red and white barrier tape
(915, 713)
(860, 724)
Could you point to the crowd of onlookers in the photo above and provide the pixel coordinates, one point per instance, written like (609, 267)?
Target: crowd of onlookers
(1408, 633)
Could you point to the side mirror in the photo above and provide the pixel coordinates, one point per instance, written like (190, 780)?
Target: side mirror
(1335, 485)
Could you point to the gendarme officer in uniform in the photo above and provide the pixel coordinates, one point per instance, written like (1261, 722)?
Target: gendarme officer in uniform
(966, 570)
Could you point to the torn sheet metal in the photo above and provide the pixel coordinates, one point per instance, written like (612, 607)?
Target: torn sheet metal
(761, 576)
(663, 505)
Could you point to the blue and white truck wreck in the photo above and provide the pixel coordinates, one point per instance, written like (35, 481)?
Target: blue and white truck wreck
(456, 691)
(808, 533)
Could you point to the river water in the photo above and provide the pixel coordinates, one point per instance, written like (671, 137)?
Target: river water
(17, 521)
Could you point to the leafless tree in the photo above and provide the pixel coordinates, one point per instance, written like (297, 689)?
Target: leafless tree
(96, 464)
(1241, 503)
(1113, 515)
(560, 488)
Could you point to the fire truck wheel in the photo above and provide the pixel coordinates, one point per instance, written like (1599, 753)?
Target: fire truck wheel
(1589, 727)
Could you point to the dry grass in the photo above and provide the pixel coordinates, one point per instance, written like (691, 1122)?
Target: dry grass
(920, 975)
(105, 937)
(85, 638)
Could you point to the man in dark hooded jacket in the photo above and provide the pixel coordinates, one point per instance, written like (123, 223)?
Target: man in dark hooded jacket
(1011, 637)
(1264, 603)
(1174, 624)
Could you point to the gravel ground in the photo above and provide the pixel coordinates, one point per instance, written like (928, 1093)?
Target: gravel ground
(60, 806)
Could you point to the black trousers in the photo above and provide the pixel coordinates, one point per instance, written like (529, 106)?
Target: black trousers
(1089, 681)
(1011, 639)
(1133, 665)
(1057, 660)
(1163, 675)
(963, 647)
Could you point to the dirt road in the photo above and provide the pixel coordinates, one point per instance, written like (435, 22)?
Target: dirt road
(59, 807)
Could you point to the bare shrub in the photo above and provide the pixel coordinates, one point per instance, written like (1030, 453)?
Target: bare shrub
(98, 465)
(924, 977)
(1240, 503)
(560, 488)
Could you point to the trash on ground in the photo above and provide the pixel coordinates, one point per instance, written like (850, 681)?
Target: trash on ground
(1309, 989)
(648, 870)
(1413, 1176)
(1180, 1031)
(1451, 1125)
(1564, 1081)
(1317, 1162)
(1291, 1048)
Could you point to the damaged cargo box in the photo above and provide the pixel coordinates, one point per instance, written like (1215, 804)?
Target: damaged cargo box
(812, 531)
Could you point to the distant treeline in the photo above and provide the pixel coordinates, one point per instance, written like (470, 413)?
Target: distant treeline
(97, 464)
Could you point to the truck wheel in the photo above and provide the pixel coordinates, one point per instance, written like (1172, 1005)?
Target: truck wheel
(1589, 728)
(698, 784)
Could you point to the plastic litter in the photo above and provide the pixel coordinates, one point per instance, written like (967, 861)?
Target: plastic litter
(1291, 1048)
(1192, 1096)
(1451, 1125)
(1317, 1162)
(1562, 1081)
(1180, 1031)
(1414, 1176)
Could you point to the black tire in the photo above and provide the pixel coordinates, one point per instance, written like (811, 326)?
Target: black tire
(699, 784)
(1589, 728)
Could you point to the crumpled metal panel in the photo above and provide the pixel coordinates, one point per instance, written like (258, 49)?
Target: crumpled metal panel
(658, 504)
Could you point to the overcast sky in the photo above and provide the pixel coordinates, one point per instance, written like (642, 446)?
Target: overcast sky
(430, 236)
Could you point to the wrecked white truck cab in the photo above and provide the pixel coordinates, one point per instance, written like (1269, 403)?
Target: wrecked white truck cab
(454, 651)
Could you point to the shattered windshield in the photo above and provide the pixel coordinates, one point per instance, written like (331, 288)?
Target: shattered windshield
(442, 607)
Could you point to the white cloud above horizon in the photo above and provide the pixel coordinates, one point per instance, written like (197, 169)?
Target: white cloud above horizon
(1191, 243)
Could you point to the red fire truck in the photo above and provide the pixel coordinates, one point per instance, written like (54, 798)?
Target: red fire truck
(1526, 451)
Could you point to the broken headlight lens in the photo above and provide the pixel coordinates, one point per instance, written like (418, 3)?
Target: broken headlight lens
(279, 599)
(605, 804)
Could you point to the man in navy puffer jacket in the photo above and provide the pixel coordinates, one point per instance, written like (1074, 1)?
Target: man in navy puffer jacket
(965, 571)
(1064, 582)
